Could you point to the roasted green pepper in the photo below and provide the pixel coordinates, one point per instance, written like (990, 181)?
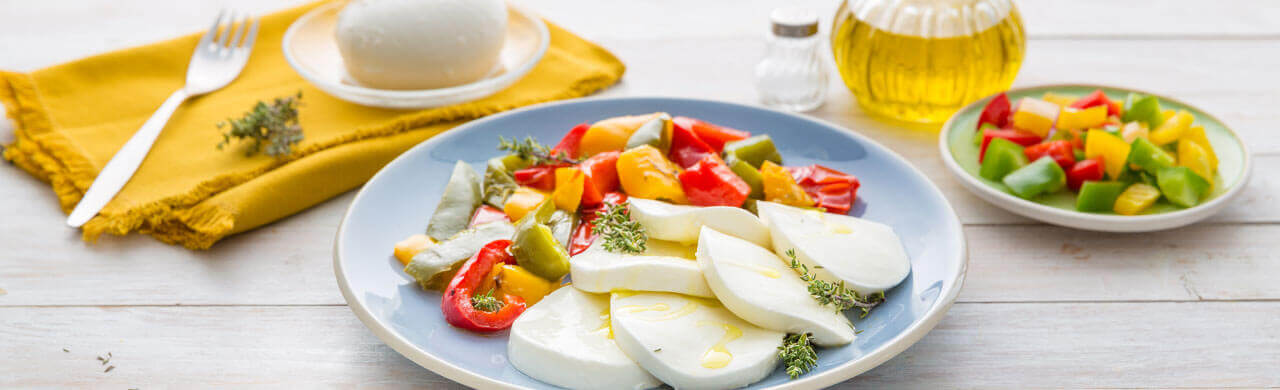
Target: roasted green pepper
(1149, 157)
(755, 150)
(1099, 195)
(498, 183)
(1181, 186)
(461, 197)
(749, 174)
(1040, 177)
(1003, 156)
(656, 132)
(435, 266)
(1143, 109)
(536, 247)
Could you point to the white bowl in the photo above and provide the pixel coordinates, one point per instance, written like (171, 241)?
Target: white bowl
(311, 49)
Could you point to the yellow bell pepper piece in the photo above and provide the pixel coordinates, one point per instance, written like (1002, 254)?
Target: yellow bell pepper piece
(1074, 118)
(1113, 150)
(569, 186)
(1035, 116)
(1061, 100)
(1193, 156)
(522, 201)
(1196, 134)
(612, 133)
(1167, 113)
(410, 246)
(646, 173)
(1172, 128)
(780, 187)
(515, 280)
(1136, 198)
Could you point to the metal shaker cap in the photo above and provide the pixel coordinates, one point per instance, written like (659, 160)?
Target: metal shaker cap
(794, 22)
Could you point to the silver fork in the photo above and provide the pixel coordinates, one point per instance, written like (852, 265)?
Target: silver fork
(218, 59)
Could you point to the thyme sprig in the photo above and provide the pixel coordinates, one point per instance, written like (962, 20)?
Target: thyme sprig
(620, 234)
(274, 126)
(535, 153)
(486, 302)
(797, 354)
(834, 294)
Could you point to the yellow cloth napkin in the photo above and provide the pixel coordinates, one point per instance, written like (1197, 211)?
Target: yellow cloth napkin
(71, 118)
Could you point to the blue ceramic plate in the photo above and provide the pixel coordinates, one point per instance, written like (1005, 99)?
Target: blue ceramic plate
(399, 200)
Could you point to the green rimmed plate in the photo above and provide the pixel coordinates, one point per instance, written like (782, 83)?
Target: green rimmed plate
(960, 154)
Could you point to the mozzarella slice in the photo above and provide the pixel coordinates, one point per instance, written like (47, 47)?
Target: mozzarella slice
(664, 266)
(565, 340)
(692, 343)
(756, 285)
(867, 255)
(665, 221)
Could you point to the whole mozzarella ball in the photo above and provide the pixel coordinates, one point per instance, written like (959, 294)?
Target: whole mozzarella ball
(420, 44)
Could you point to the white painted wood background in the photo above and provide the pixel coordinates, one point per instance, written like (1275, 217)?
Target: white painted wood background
(1043, 307)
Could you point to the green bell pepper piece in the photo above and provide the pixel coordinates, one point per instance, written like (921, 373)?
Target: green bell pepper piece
(498, 183)
(1040, 177)
(1142, 108)
(461, 197)
(1181, 186)
(1099, 195)
(1079, 154)
(535, 246)
(1148, 156)
(434, 267)
(755, 150)
(1003, 156)
(748, 174)
(653, 133)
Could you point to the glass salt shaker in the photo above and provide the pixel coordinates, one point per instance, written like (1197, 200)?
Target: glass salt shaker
(792, 75)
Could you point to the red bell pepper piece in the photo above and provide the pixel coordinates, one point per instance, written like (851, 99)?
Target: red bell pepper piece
(713, 135)
(710, 182)
(1085, 170)
(485, 214)
(457, 307)
(1016, 136)
(583, 235)
(569, 144)
(541, 177)
(1097, 98)
(834, 191)
(996, 112)
(1061, 152)
(601, 171)
(686, 148)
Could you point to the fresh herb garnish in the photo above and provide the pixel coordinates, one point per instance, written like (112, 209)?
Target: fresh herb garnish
(486, 302)
(834, 294)
(533, 152)
(797, 354)
(275, 125)
(620, 234)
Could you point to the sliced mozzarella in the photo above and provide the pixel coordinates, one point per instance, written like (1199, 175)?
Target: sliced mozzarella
(664, 266)
(565, 340)
(692, 343)
(756, 285)
(867, 255)
(665, 221)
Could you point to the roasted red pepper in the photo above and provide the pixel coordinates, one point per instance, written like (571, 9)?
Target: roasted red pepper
(1097, 98)
(713, 135)
(542, 177)
(833, 190)
(711, 183)
(457, 307)
(996, 112)
(602, 177)
(1085, 170)
(686, 148)
(569, 144)
(1060, 151)
(1016, 136)
(582, 236)
(485, 214)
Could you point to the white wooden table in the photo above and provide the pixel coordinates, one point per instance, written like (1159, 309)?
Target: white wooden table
(1042, 306)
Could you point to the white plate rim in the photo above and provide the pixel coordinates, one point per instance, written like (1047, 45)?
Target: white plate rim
(850, 369)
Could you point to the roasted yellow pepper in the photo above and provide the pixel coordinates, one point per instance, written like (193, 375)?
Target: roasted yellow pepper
(515, 280)
(780, 187)
(569, 186)
(523, 200)
(405, 249)
(646, 173)
(612, 133)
